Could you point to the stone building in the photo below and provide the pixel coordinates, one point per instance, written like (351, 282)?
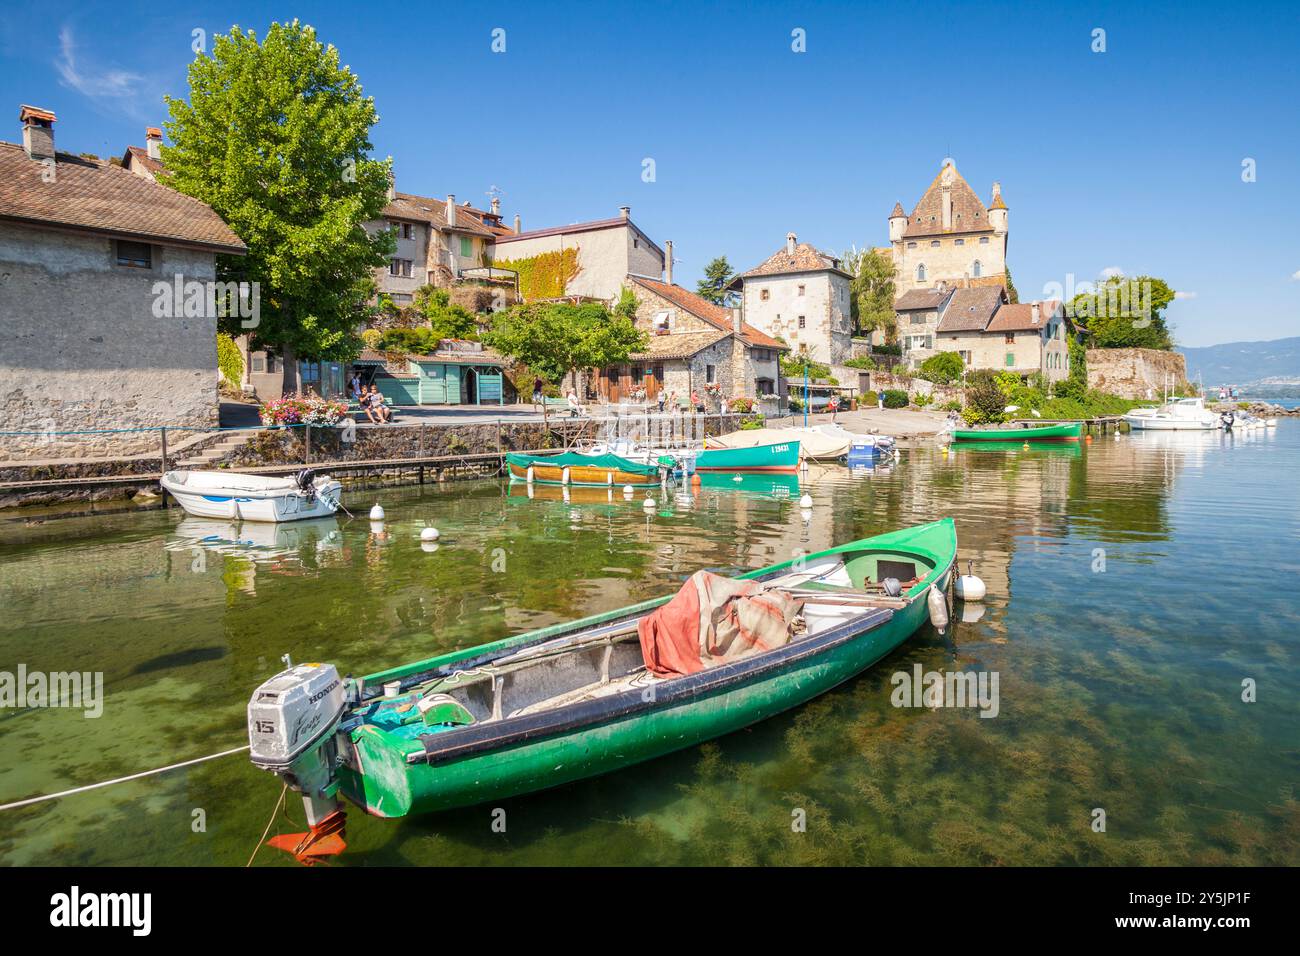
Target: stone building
(694, 346)
(1028, 338)
(607, 251)
(107, 318)
(800, 296)
(146, 162)
(950, 236)
(917, 313)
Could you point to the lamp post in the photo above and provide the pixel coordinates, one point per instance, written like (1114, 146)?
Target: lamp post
(805, 393)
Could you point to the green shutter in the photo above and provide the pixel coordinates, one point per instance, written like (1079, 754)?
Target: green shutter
(466, 247)
(1011, 359)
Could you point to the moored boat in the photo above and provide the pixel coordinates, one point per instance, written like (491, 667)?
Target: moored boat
(778, 457)
(239, 497)
(1066, 431)
(1185, 414)
(825, 442)
(577, 468)
(575, 700)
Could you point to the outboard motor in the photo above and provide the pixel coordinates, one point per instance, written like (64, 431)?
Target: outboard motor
(306, 481)
(1227, 418)
(293, 719)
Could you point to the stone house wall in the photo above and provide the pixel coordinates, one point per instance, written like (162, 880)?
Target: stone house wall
(821, 298)
(605, 257)
(949, 258)
(81, 348)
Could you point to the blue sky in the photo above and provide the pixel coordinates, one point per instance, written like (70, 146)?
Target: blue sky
(1130, 159)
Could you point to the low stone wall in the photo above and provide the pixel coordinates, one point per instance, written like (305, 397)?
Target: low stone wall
(1137, 373)
(940, 394)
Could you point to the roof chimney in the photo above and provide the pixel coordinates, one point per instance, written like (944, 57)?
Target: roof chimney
(519, 226)
(625, 212)
(789, 243)
(496, 205)
(668, 262)
(392, 186)
(153, 142)
(1034, 311)
(38, 132)
(451, 209)
(737, 320)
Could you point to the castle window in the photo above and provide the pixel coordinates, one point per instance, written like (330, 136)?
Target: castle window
(763, 294)
(801, 321)
(934, 243)
(959, 242)
(975, 269)
(911, 245)
(984, 240)
(801, 290)
(920, 272)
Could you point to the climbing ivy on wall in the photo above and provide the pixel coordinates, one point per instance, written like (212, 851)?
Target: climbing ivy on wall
(543, 276)
(229, 359)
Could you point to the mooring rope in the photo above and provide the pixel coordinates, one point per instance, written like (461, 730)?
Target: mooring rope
(109, 783)
(278, 803)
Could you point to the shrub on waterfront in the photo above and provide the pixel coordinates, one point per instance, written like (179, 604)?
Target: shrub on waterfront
(942, 369)
(922, 399)
(750, 424)
(302, 410)
(870, 398)
(984, 399)
(895, 398)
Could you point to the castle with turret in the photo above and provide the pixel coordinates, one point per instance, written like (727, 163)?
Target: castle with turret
(951, 237)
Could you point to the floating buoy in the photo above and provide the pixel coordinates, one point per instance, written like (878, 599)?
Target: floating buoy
(430, 534)
(377, 528)
(1087, 439)
(428, 547)
(1025, 446)
(969, 587)
(938, 609)
(649, 504)
(695, 481)
(377, 512)
(806, 502)
(738, 478)
(627, 491)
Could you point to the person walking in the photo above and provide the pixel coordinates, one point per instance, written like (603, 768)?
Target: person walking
(538, 392)
(833, 406)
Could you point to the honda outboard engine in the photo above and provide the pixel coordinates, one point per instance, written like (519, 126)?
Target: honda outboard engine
(306, 481)
(1227, 418)
(292, 722)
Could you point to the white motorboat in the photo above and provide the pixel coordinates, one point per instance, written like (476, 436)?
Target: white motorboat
(222, 494)
(260, 541)
(1184, 414)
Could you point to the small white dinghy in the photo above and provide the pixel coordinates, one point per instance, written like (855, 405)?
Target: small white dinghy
(221, 494)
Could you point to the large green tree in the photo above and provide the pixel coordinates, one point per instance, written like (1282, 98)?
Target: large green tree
(717, 276)
(554, 339)
(275, 137)
(872, 292)
(1125, 312)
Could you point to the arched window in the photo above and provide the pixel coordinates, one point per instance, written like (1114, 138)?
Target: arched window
(920, 272)
(975, 269)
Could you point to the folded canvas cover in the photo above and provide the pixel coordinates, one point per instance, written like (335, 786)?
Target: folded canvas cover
(713, 620)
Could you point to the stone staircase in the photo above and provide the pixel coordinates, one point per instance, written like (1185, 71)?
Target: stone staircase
(202, 459)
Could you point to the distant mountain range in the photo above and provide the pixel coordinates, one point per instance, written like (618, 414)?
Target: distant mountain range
(1275, 363)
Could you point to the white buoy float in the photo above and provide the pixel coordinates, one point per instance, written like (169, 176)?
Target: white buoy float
(428, 547)
(938, 604)
(969, 587)
(806, 502)
(377, 512)
(628, 491)
(649, 504)
(738, 478)
(430, 534)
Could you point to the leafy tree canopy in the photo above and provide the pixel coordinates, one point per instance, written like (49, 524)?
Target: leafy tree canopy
(943, 368)
(554, 339)
(275, 137)
(1012, 295)
(872, 290)
(717, 276)
(1125, 313)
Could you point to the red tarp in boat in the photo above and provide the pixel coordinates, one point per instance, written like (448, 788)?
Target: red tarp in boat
(712, 620)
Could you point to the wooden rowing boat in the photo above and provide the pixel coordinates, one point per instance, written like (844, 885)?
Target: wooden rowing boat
(575, 468)
(1069, 431)
(571, 701)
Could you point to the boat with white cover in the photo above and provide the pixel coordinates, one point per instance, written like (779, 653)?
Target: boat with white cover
(1184, 414)
(223, 494)
(826, 442)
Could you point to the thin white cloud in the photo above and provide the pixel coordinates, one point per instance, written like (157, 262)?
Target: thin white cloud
(1111, 272)
(108, 84)
(1186, 295)
(1296, 275)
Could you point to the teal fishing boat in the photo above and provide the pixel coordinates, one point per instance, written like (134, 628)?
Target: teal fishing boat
(780, 457)
(551, 706)
(1069, 431)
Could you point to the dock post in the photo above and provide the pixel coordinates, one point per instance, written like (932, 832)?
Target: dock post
(163, 432)
(306, 446)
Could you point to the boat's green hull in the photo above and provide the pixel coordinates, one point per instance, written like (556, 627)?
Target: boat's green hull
(1070, 431)
(390, 785)
(781, 457)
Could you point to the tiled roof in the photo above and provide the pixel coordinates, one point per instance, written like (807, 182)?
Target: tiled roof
(805, 259)
(1020, 317)
(96, 196)
(434, 212)
(138, 154)
(678, 345)
(702, 308)
(921, 299)
(592, 226)
(971, 309)
(968, 213)
(898, 211)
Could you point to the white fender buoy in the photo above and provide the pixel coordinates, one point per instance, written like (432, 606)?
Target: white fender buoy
(430, 534)
(377, 512)
(564, 476)
(938, 604)
(609, 478)
(806, 502)
(739, 478)
(628, 491)
(649, 504)
(377, 527)
(969, 587)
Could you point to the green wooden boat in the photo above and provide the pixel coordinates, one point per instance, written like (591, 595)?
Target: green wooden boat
(575, 700)
(780, 457)
(1069, 431)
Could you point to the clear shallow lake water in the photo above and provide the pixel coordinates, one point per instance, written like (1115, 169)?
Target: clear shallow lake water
(1119, 688)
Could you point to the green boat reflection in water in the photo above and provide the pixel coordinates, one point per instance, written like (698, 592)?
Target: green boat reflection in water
(1069, 431)
(575, 700)
(1066, 449)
